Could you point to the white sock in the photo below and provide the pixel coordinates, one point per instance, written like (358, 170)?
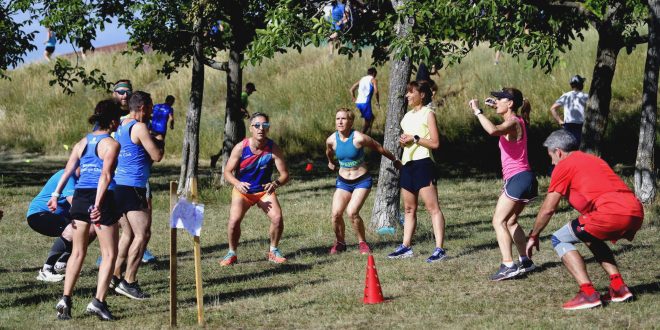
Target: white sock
(508, 263)
(273, 248)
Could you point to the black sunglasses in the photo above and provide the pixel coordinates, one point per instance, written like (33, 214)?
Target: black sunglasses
(124, 91)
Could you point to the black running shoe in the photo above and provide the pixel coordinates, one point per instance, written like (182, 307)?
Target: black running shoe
(131, 290)
(114, 282)
(64, 307)
(526, 266)
(505, 272)
(100, 309)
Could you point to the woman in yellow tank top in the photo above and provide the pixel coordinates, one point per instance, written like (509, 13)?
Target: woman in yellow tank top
(418, 176)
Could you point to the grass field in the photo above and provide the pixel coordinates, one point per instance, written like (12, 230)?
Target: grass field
(314, 290)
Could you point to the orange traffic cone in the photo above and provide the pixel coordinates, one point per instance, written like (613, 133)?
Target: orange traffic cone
(373, 294)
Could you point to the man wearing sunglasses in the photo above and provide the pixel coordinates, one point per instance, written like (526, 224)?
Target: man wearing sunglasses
(249, 170)
(122, 92)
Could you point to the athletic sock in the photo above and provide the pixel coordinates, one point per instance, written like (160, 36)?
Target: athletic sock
(616, 281)
(56, 251)
(47, 267)
(587, 288)
(523, 258)
(273, 248)
(231, 253)
(508, 263)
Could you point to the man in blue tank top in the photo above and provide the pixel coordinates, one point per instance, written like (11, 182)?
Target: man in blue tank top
(162, 114)
(138, 150)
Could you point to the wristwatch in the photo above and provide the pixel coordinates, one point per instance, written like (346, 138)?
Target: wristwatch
(478, 112)
(416, 138)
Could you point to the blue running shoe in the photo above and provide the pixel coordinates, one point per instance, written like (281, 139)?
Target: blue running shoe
(438, 254)
(505, 272)
(147, 257)
(401, 252)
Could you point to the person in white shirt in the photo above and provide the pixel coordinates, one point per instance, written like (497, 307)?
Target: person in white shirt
(574, 103)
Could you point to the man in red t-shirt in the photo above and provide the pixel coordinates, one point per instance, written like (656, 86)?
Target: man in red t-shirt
(608, 211)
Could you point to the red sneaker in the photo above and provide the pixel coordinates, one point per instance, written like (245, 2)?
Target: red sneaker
(621, 295)
(276, 256)
(229, 260)
(364, 248)
(583, 301)
(338, 247)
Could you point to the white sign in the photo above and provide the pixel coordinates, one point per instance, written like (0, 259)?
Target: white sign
(188, 216)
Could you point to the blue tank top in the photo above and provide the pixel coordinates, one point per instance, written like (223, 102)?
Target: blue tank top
(90, 163)
(133, 163)
(347, 154)
(256, 169)
(159, 117)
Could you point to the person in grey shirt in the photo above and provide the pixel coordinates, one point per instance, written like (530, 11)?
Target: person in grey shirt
(574, 103)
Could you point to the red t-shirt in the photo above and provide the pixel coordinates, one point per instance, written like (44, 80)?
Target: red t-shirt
(592, 186)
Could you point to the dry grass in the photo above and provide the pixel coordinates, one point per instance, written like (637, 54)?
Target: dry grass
(315, 290)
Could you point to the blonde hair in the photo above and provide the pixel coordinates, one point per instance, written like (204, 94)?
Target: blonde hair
(349, 113)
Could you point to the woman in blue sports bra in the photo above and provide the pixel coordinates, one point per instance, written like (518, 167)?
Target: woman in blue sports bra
(96, 155)
(353, 180)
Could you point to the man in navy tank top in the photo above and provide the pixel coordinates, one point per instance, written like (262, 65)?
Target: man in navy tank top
(138, 150)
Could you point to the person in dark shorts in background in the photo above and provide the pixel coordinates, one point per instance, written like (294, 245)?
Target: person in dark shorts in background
(574, 102)
(608, 210)
(92, 205)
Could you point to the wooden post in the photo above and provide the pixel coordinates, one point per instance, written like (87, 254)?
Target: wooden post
(198, 262)
(173, 299)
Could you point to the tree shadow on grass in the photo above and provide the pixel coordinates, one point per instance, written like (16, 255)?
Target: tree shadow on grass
(286, 268)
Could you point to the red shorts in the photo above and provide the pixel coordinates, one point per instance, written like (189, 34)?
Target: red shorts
(250, 198)
(611, 226)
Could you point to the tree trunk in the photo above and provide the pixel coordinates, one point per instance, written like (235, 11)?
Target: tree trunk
(234, 125)
(645, 184)
(600, 93)
(386, 205)
(190, 152)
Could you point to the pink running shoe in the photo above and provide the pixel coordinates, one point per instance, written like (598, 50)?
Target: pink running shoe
(583, 301)
(338, 247)
(364, 248)
(621, 295)
(276, 256)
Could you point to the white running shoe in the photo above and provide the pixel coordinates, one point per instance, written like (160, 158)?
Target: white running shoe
(47, 275)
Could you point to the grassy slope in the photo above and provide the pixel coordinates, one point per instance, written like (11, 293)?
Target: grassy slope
(301, 91)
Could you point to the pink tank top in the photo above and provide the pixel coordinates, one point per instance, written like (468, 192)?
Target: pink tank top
(514, 153)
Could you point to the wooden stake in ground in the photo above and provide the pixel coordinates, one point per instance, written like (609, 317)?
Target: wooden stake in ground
(198, 261)
(173, 302)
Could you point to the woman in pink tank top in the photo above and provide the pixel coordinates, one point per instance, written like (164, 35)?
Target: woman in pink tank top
(520, 186)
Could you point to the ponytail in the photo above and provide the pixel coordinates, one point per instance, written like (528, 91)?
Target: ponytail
(525, 109)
